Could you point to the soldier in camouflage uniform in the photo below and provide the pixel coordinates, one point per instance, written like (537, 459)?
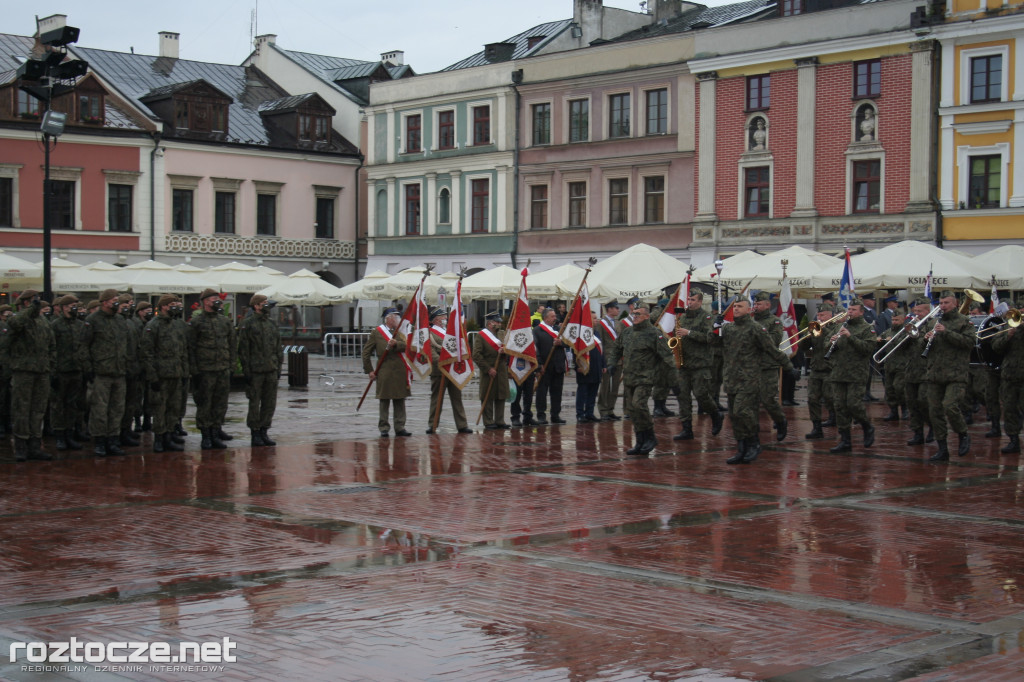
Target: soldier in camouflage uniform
(493, 367)
(607, 329)
(212, 349)
(1010, 345)
(819, 391)
(104, 359)
(895, 374)
(164, 356)
(259, 349)
(952, 338)
(915, 388)
(747, 348)
(645, 356)
(144, 312)
(852, 347)
(770, 377)
(67, 383)
(667, 384)
(993, 376)
(133, 375)
(717, 364)
(5, 372)
(694, 330)
(31, 351)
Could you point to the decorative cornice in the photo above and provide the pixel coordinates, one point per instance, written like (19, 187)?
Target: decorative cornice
(707, 76)
(330, 249)
(806, 61)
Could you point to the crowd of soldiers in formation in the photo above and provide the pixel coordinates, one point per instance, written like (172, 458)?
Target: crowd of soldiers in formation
(114, 368)
(934, 377)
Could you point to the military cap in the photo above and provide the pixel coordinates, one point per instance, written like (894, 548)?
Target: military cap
(892, 299)
(868, 296)
(143, 306)
(257, 299)
(435, 312)
(166, 299)
(124, 298)
(828, 297)
(389, 311)
(827, 307)
(67, 299)
(207, 293)
(611, 304)
(28, 294)
(762, 296)
(633, 301)
(496, 317)
(946, 293)
(93, 304)
(5, 308)
(107, 294)
(856, 301)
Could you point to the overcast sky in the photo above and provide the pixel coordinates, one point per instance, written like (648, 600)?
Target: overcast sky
(433, 33)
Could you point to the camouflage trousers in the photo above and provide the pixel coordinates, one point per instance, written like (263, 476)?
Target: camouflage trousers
(437, 402)
(849, 403)
(916, 393)
(262, 395)
(744, 413)
(895, 388)
(164, 403)
(210, 392)
(819, 392)
(106, 406)
(696, 382)
(993, 395)
(944, 401)
(635, 400)
(399, 412)
(1012, 397)
(609, 392)
(134, 388)
(770, 394)
(66, 401)
(716, 377)
(30, 392)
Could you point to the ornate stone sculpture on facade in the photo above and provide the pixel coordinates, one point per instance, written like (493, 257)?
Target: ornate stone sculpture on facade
(758, 135)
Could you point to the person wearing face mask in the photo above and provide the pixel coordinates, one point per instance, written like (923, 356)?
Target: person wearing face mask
(260, 352)
(104, 360)
(67, 385)
(133, 376)
(142, 420)
(212, 349)
(32, 352)
(164, 353)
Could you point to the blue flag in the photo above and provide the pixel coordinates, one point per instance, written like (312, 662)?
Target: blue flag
(846, 287)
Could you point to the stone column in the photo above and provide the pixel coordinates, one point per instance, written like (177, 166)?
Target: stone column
(807, 71)
(706, 164)
(922, 132)
(500, 199)
(456, 205)
(392, 218)
(429, 199)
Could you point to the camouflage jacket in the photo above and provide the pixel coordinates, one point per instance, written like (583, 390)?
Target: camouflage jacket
(1011, 346)
(899, 359)
(773, 326)
(30, 345)
(67, 334)
(164, 349)
(747, 348)
(646, 357)
(696, 344)
(211, 343)
(104, 347)
(851, 359)
(259, 344)
(950, 356)
(134, 335)
(815, 347)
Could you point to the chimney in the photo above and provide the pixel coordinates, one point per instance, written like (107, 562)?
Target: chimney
(396, 57)
(265, 39)
(168, 44)
(588, 15)
(667, 9)
(499, 52)
(54, 21)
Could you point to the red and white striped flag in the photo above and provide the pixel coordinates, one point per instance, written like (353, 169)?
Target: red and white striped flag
(667, 321)
(415, 326)
(456, 359)
(519, 344)
(578, 332)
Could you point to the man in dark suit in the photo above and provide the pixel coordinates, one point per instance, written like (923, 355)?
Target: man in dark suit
(550, 350)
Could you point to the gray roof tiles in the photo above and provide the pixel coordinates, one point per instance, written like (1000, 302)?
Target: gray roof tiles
(522, 42)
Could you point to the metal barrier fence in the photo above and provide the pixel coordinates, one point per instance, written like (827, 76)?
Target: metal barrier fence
(343, 352)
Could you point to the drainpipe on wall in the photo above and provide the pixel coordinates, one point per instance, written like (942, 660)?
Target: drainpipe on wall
(152, 196)
(355, 274)
(517, 78)
(936, 141)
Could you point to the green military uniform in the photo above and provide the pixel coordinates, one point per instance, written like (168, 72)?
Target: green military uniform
(667, 383)
(261, 354)
(164, 355)
(695, 373)
(437, 380)
(140, 408)
(896, 373)
(31, 351)
(5, 374)
(486, 356)
(609, 330)
(212, 348)
(915, 386)
(769, 379)
(747, 347)
(993, 378)
(1011, 346)
(948, 363)
(392, 378)
(133, 387)
(104, 358)
(68, 384)
(851, 368)
(819, 390)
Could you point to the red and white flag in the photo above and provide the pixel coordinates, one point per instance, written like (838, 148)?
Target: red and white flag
(456, 359)
(519, 344)
(787, 313)
(578, 332)
(667, 321)
(993, 298)
(415, 326)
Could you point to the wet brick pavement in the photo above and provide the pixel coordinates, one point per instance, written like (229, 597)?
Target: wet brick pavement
(529, 554)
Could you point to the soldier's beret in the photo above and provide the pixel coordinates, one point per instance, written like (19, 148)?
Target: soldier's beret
(611, 304)
(390, 311)
(67, 299)
(868, 296)
(946, 293)
(107, 294)
(207, 293)
(5, 308)
(28, 294)
(124, 298)
(496, 317)
(166, 299)
(762, 296)
(257, 299)
(143, 306)
(95, 303)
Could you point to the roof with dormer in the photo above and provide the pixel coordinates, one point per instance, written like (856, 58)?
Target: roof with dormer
(335, 70)
(547, 32)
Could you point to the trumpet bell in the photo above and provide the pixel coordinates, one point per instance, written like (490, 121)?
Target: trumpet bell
(673, 342)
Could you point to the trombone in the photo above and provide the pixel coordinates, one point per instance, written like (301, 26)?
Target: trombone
(813, 328)
(909, 330)
(1012, 321)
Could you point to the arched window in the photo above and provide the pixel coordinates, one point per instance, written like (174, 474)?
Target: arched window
(444, 206)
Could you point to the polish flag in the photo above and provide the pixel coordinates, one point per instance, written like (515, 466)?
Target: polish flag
(415, 326)
(456, 360)
(667, 321)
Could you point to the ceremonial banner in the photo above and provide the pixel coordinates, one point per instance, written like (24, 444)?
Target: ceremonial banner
(578, 332)
(846, 286)
(787, 313)
(519, 344)
(456, 360)
(415, 326)
(667, 321)
(993, 298)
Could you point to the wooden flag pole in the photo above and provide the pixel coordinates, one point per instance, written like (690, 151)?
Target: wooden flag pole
(501, 353)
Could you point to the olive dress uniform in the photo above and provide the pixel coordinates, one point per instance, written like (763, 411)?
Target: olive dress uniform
(261, 354)
(392, 378)
(486, 356)
(164, 353)
(437, 380)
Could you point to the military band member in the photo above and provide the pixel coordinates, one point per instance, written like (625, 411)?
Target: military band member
(6, 311)
(769, 381)
(438, 329)
(1010, 345)
(694, 331)
(853, 345)
(31, 351)
(606, 331)
(915, 388)
(164, 353)
(952, 338)
(104, 359)
(747, 348)
(493, 366)
(260, 354)
(391, 373)
(67, 383)
(993, 374)
(819, 390)
(895, 366)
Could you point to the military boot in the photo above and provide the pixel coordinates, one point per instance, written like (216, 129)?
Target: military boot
(20, 449)
(170, 445)
(741, 451)
(661, 409)
(918, 437)
(257, 438)
(128, 439)
(869, 434)
(158, 442)
(112, 447)
(3, 429)
(266, 438)
(219, 433)
(943, 453)
(844, 444)
(816, 432)
(782, 427)
(904, 412)
(686, 433)
(831, 421)
(179, 430)
(637, 442)
(995, 432)
(173, 435)
(137, 424)
(35, 450)
(930, 438)
(69, 438)
(207, 443)
(717, 419)
(147, 423)
(61, 439)
(650, 442)
(101, 446)
(964, 444)
(893, 416)
(1012, 446)
(215, 439)
(753, 449)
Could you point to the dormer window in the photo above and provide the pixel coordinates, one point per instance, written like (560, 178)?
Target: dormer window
(28, 106)
(314, 128)
(200, 114)
(788, 8)
(90, 108)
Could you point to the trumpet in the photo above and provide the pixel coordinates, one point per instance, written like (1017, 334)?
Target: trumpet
(910, 330)
(965, 307)
(814, 328)
(1012, 321)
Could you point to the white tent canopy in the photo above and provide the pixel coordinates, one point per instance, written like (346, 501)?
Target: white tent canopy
(498, 283)
(239, 278)
(765, 272)
(904, 265)
(303, 288)
(354, 291)
(404, 284)
(546, 284)
(151, 277)
(1005, 263)
(640, 270)
(66, 276)
(19, 273)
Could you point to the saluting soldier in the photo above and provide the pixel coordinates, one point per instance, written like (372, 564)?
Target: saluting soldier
(212, 349)
(819, 390)
(261, 354)
(949, 359)
(67, 383)
(607, 331)
(438, 324)
(769, 380)
(895, 375)
(104, 359)
(493, 368)
(853, 346)
(694, 331)
(915, 387)
(31, 350)
(391, 373)
(747, 348)
(164, 353)
(1010, 345)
